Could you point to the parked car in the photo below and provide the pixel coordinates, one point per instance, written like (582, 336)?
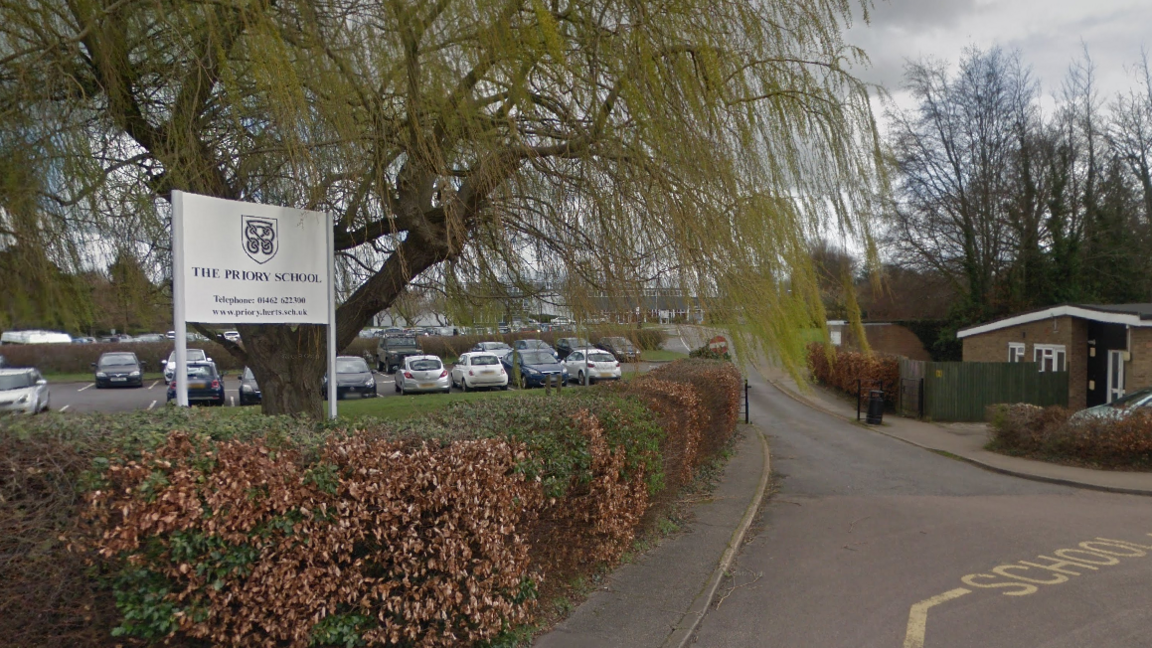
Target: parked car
(498, 348)
(423, 373)
(231, 336)
(620, 347)
(3, 362)
(352, 377)
(150, 337)
(534, 345)
(84, 340)
(392, 350)
(1118, 409)
(536, 367)
(116, 338)
(118, 369)
(588, 365)
(478, 370)
(169, 365)
(564, 346)
(171, 335)
(249, 390)
(24, 391)
(205, 385)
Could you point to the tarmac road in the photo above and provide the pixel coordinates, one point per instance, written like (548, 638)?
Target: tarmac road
(873, 542)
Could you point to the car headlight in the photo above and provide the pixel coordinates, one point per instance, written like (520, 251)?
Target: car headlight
(101, 374)
(23, 399)
(369, 381)
(134, 374)
(530, 370)
(247, 389)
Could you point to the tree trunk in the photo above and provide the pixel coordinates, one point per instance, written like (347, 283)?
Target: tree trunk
(288, 362)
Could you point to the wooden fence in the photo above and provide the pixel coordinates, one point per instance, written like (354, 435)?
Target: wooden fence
(960, 391)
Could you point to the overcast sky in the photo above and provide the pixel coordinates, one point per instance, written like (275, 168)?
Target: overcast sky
(1048, 33)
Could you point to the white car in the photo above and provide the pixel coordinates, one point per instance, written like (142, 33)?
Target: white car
(479, 370)
(423, 373)
(232, 336)
(588, 365)
(169, 365)
(23, 390)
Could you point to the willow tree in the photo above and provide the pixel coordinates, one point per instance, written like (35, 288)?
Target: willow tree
(601, 142)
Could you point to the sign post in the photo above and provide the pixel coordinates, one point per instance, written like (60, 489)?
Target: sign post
(246, 263)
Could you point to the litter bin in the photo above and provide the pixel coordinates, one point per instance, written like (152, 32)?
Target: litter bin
(875, 407)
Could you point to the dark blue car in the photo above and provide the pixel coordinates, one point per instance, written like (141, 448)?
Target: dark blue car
(536, 367)
(204, 385)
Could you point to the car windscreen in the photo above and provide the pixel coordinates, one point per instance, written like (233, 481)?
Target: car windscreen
(579, 342)
(201, 372)
(601, 357)
(484, 360)
(535, 344)
(537, 358)
(351, 366)
(493, 346)
(1132, 398)
(118, 360)
(194, 355)
(400, 341)
(424, 365)
(15, 381)
(248, 375)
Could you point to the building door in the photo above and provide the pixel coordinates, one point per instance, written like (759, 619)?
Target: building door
(1115, 375)
(1103, 339)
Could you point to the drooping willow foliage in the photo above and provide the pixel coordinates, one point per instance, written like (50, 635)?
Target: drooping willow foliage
(592, 146)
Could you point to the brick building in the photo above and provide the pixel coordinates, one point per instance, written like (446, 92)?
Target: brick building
(1106, 350)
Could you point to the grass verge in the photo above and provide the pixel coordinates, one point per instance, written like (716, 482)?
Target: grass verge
(88, 377)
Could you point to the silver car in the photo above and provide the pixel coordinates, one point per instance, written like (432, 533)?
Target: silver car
(423, 373)
(1121, 408)
(23, 390)
(169, 365)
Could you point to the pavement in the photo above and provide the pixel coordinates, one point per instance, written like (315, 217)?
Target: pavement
(963, 440)
(869, 539)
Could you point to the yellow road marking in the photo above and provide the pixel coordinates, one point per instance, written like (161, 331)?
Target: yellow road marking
(918, 616)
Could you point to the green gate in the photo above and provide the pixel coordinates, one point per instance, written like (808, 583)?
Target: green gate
(960, 391)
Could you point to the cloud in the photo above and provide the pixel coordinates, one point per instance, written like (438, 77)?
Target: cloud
(920, 14)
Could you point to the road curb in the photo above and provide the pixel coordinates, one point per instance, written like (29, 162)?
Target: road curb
(975, 462)
(687, 624)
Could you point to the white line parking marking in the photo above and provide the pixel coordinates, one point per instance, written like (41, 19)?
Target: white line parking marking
(152, 405)
(153, 384)
(85, 387)
(232, 401)
(65, 408)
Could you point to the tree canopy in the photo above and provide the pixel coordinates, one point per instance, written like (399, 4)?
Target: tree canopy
(596, 143)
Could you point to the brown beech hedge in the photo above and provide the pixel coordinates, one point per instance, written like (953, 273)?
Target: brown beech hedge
(846, 368)
(198, 528)
(1050, 434)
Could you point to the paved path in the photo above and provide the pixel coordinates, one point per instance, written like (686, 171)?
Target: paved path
(870, 541)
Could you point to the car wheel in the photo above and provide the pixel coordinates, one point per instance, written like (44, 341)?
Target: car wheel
(379, 366)
(397, 386)
(523, 382)
(463, 384)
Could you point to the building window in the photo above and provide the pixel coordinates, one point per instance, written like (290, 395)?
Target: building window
(1050, 357)
(1015, 352)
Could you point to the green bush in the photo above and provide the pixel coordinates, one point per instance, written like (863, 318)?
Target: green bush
(224, 529)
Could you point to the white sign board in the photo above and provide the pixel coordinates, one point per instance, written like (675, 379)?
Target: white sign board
(246, 263)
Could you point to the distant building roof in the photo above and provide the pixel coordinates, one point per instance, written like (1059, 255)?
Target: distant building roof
(1129, 314)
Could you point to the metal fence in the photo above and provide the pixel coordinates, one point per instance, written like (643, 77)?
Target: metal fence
(961, 391)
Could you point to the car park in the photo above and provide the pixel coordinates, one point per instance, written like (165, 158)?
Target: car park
(479, 370)
(352, 377)
(249, 390)
(1119, 409)
(534, 345)
(118, 369)
(205, 385)
(498, 348)
(536, 368)
(589, 365)
(564, 346)
(392, 350)
(24, 391)
(169, 365)
(620, 347)
(423, 373)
